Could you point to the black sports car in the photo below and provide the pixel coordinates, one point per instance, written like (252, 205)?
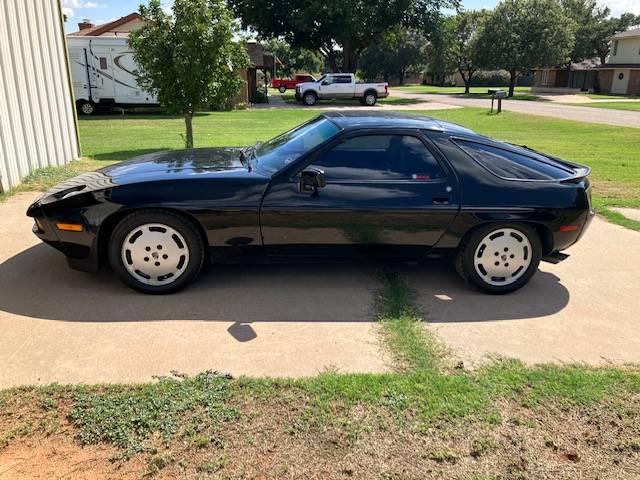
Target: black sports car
(342, 184)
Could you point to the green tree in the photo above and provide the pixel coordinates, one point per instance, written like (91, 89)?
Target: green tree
(586, 15)
(608, 27)
(440, 59)
(465, 28)
(523, 34)
(396, 52)
(188, 59)
(340, 30)
(293, 59)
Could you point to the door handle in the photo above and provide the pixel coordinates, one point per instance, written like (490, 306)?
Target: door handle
(440, 200)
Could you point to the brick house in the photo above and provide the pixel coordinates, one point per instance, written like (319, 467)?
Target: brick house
(621, 73)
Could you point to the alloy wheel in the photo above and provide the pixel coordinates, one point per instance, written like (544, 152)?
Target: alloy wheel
(155, 254)
(502, 256)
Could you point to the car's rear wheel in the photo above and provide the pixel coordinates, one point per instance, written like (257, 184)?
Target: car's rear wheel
(370, 99)
(155, 251)
(310, 99)
(499, 258)
(282, 88)
(86, 107)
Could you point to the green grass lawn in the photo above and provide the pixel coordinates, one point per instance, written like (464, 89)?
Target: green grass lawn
(607, 96)
(611, 151)
(635, 106)
(452, 90)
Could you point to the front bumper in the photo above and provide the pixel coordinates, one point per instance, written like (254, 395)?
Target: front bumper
(80, 248)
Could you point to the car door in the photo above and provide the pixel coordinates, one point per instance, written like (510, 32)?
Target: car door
(331, 87)
(386, 192)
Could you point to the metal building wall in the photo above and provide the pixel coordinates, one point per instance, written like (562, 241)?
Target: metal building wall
(37, 117)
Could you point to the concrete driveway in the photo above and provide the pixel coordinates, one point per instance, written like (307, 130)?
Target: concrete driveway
(58, 325)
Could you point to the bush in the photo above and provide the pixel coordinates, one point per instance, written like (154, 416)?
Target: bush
(499, 78)
(258, 96)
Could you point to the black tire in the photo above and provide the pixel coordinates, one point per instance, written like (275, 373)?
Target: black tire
(282, 88)
(465, 257)
(369, 99)
(309, 99)
(85, 107)
(183, 226)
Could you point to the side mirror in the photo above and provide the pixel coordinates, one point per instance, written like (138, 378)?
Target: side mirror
(311, 180)
(325, 83)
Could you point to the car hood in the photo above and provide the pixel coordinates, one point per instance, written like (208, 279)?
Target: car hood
(306, 84)
(155, 166)
(196, 160)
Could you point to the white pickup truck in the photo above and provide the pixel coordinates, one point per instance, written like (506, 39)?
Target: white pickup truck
(340, 85)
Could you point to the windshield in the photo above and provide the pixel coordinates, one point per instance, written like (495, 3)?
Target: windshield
(280, 151)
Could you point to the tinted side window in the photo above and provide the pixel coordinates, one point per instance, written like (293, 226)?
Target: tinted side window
(380, 157)
(343, 79)
(511, 165)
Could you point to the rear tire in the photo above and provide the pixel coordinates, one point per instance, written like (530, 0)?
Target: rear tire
(310, 99)
(85, 107)
(370, 99)
(282, 88)
(499, 258)
(156, 251)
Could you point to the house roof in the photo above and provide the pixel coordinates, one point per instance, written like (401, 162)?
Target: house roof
(106, 27)
(588, 64)
(635, 32)
(257, 57)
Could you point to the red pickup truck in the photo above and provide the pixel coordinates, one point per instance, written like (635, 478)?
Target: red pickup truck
(282, 84)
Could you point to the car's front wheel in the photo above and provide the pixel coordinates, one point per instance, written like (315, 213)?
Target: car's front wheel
(310, 99)
(500, 258)
(155, 251)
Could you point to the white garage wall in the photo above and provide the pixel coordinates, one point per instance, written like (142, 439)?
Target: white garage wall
(37, 117)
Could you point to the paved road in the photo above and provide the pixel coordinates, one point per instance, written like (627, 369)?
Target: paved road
(624, 118)
(65, 326)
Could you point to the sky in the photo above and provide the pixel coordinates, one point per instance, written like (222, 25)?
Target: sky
(103, 11)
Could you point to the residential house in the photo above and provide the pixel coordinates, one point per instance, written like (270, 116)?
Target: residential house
(621, 73)
(117, 28)
(583, 76)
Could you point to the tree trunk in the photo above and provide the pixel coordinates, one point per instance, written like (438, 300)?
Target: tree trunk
(512, 81)
(465, 79)
(569, 74)
(188, 123)
(401, 77)
(468, 84)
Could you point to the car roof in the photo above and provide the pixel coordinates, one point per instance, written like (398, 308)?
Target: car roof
(355, 119)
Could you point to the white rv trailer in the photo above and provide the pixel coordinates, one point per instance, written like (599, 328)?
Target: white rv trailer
(103, 69)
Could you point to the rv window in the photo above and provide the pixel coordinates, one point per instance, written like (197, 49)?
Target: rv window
(103, 63)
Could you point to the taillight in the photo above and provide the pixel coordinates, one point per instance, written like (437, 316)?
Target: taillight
(386, 89)
(569, 228)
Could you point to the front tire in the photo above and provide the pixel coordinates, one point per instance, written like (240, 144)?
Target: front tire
(499, 258)
(282, 88)
(156, 251)
(310, 99)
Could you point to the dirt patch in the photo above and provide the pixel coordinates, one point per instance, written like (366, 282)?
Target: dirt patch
(284, 438)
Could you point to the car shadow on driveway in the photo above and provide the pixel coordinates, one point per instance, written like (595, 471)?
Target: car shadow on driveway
(38, 283)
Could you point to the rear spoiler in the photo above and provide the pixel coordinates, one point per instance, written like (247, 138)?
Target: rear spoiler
(579, 170)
